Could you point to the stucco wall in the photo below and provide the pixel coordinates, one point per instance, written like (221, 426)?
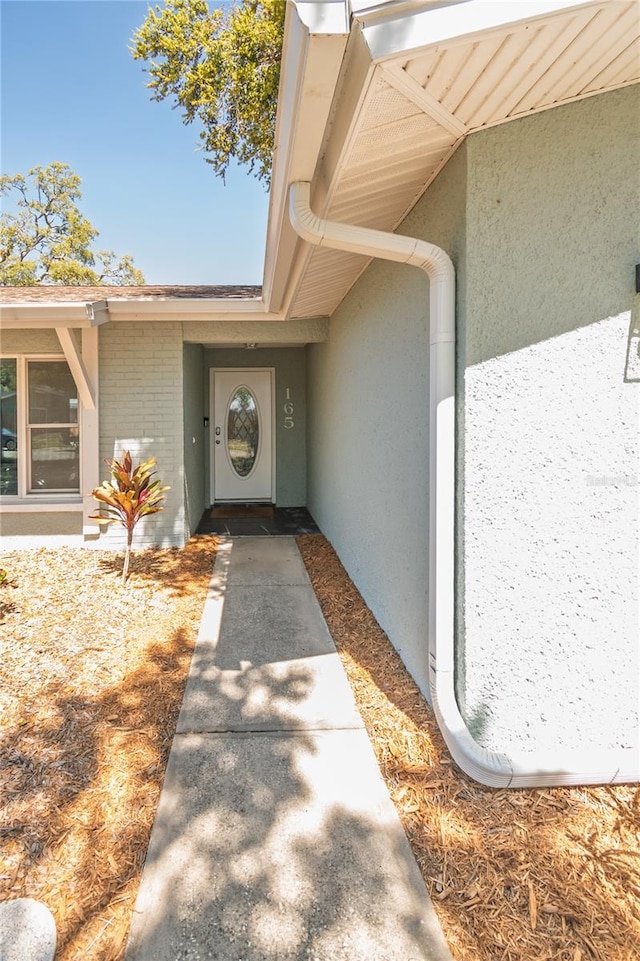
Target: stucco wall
(368, 427)
(550, 444)
(154, 395)
(41, 524)
(541, 219)
(141, 411)
(29, 342)
(290, 372)
(195, 435)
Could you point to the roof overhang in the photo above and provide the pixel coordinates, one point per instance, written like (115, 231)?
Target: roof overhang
(15, 316)
(183, 309)
(315, 39)
(415, 78)
(375, 96)
(75, 314)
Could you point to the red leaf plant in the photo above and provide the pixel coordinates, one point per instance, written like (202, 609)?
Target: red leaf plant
(130, 495)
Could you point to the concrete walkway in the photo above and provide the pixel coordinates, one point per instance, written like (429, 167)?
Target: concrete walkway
(275, 838)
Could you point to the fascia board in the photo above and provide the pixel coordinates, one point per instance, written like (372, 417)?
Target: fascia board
(23, 316)
(190, 309)
(311, 61)
(373, 10)
(20, 316)
(323, 16)
(356, 77)
(408, 30)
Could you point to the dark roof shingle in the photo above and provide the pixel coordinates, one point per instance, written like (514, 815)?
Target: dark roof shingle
(50, 294)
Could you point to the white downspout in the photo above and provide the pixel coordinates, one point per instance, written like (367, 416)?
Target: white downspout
(488, 767)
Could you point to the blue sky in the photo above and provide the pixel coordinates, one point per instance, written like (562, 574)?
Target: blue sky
(71, 91)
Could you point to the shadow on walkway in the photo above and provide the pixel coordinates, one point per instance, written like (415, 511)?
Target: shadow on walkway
(275, 838)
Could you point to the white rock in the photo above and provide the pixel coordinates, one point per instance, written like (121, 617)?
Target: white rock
(27, 931)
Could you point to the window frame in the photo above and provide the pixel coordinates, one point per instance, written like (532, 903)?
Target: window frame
(25, 492)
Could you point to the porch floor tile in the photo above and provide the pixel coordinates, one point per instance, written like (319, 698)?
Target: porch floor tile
(286, 521)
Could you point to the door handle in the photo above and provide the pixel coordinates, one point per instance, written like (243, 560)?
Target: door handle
(218, 431)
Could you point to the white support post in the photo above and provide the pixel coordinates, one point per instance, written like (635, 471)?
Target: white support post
(90, 434)
(76, 363)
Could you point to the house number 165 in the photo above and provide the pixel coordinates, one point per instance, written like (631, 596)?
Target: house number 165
(288, 411)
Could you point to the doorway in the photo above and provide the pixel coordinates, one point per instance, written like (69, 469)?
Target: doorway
(242, 454)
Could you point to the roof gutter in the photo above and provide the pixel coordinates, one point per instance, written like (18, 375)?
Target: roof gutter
(16, 316)
(38, 314)
(488, 767)
(428, 23)
(315, 38)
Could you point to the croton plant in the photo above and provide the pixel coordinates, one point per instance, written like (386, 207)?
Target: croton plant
(131, 494)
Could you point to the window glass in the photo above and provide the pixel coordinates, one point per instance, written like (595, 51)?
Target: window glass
(50, 435)
(8, 427)
(53, 398)
(55, 462)
(243, 431)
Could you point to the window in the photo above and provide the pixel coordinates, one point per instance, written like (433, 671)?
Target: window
(40, 450)
(8, 427)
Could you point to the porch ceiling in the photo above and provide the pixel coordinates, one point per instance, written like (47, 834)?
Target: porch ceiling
(417, 104)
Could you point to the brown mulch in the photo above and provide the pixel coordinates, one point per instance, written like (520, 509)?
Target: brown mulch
(549, 874)
(91, 679)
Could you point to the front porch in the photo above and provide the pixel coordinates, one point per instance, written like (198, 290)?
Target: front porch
(250, 520)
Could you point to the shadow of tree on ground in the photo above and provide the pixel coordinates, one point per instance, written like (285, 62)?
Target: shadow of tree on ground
(262, 843)
(546, 873)
(92, 680)
(77, 769)
(174, 565)
(264, 849)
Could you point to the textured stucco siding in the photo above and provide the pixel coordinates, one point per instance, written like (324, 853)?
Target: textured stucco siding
(29, 342)
(141, 398)
(195, 435)
(368, 427)
(540, 217)
(291, 453)
(549, 621)
(40, 524)
(262, 332)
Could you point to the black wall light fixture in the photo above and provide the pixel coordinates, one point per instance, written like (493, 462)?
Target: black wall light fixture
(637, 278)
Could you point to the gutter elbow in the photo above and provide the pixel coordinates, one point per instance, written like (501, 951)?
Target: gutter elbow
(486, 766)
(303, 220)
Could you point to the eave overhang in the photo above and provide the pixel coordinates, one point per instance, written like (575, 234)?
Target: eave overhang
(183, 309)
(16, 316)
(374, 99)
(315, 39)
(76, 314)
(415, 79)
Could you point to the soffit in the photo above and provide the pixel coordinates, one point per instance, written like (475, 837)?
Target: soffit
(417, 106)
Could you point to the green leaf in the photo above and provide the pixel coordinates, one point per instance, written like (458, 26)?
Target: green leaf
(222, 68)
(47, 240)
(131, 493)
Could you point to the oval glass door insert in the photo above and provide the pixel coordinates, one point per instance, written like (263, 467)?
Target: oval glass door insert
(243, 431)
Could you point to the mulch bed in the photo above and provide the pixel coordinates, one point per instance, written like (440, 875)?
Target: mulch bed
(536, 875)
(91, 680)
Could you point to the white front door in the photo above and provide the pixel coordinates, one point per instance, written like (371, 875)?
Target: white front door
(242, 454)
